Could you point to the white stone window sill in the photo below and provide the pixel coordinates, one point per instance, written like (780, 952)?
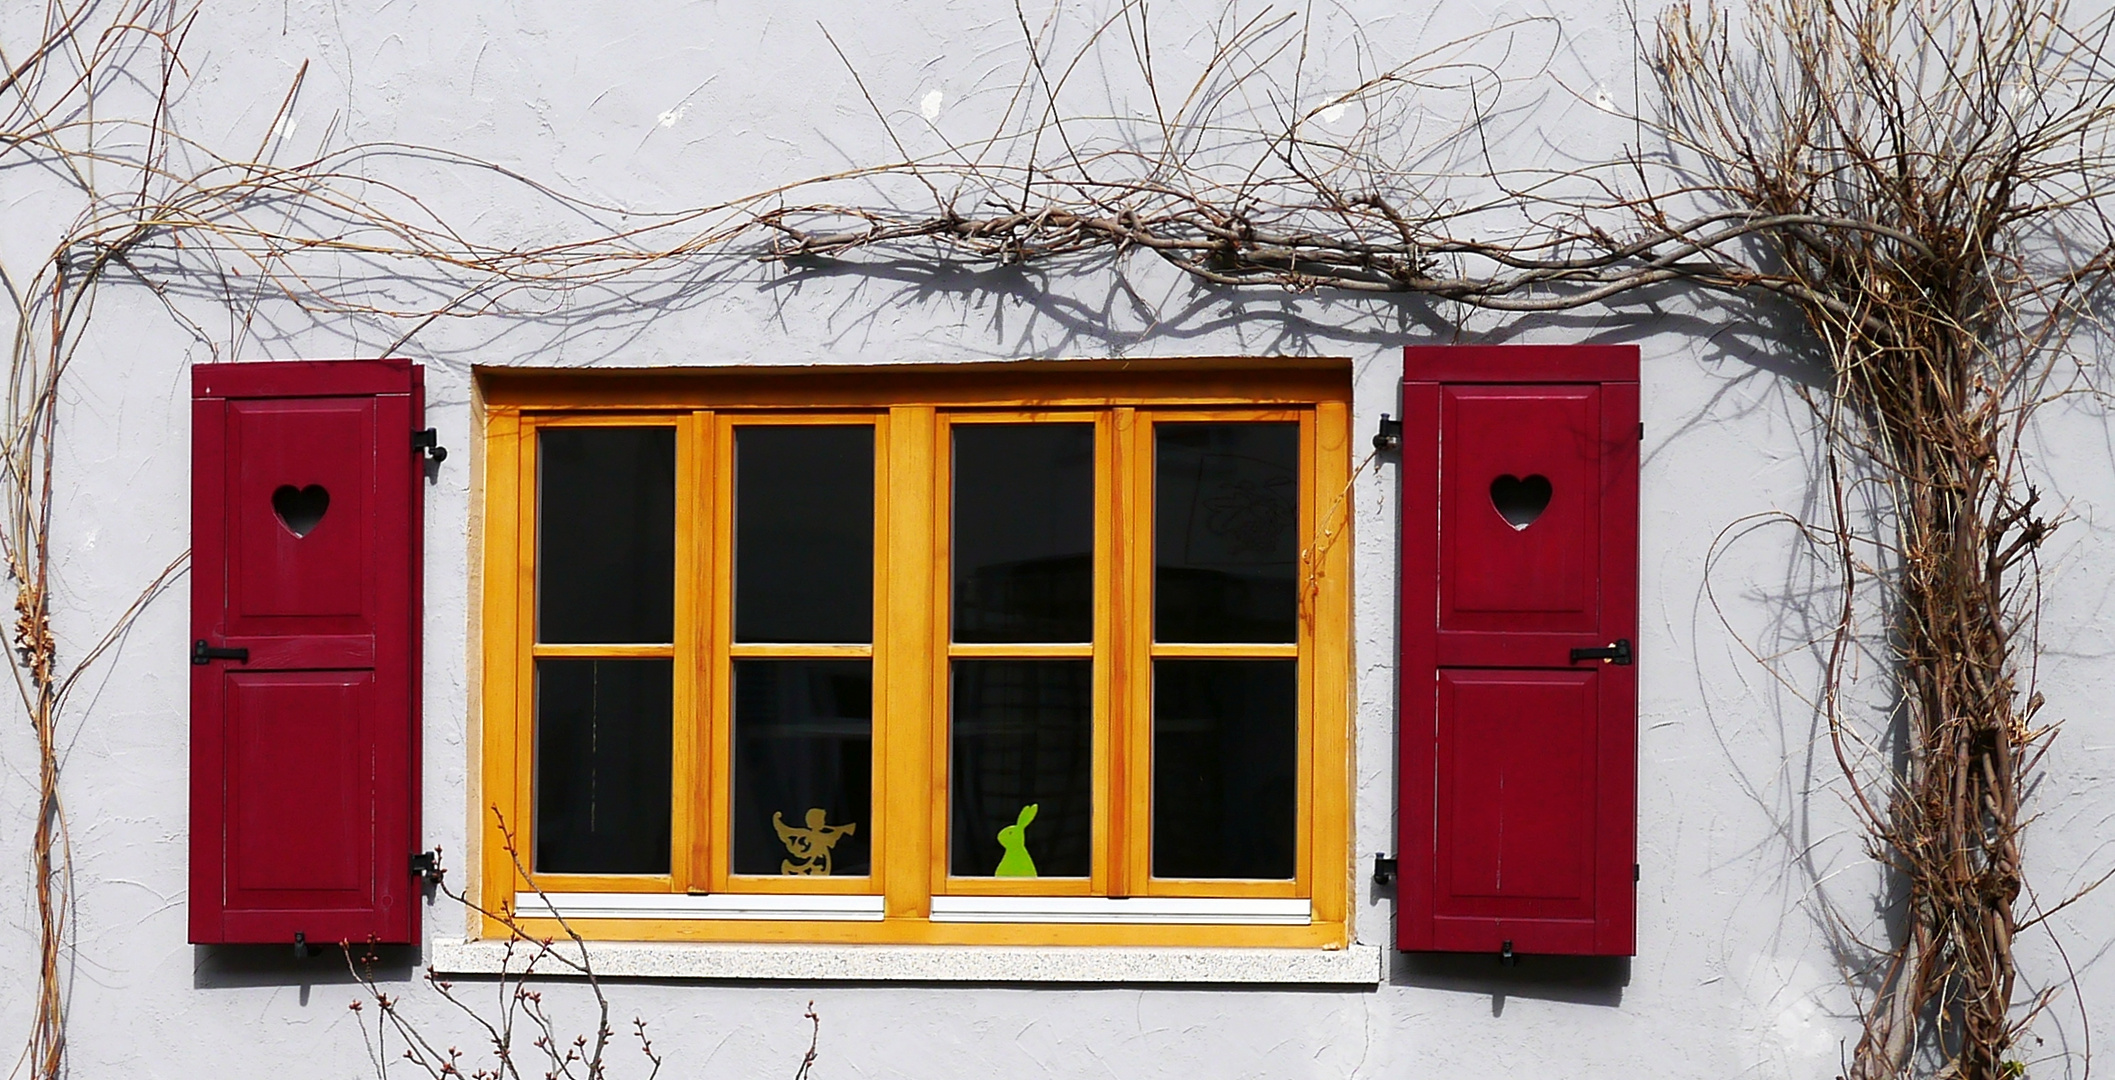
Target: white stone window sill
(1358, 965)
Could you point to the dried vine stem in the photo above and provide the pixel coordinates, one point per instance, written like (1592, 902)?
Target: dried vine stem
(1979, 133)
(1921, 178)
(518, 1009)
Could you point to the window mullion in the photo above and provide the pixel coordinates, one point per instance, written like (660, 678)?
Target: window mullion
(906, 712)
(695, 756)
(1130, 655)
(1107, 577)
(715, 510)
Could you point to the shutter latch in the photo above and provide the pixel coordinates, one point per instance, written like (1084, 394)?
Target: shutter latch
(202, 653)
(1617, 654)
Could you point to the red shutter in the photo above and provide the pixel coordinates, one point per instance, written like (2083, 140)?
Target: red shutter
(1520, 545)
(305, 575)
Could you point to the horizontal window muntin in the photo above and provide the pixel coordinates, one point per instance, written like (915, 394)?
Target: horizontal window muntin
(1054, 717)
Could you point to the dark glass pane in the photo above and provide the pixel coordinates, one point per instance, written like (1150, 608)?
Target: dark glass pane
(1226, 511)
(1024, 532)
(803, 766)
(1021, 736)
(606, 535)
(1224, 758)
(804, 534)
(602, 766)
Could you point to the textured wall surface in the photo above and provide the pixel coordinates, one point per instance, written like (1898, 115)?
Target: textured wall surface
(659, 105)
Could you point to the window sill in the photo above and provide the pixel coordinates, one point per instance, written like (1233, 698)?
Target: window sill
(1358, 965)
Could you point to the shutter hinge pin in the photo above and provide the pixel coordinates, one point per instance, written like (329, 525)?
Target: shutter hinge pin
(1384, 869)
(428, 442)
(1390, 434)
(426, 865)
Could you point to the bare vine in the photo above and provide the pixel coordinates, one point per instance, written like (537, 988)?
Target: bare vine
(1924, 181)
(527, 963)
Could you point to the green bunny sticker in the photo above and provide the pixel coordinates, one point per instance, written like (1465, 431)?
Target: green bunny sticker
(1014, 838)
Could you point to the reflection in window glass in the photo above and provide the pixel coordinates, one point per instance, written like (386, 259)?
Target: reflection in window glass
(804, 533)
(803, 767)
(603, 730)
(606, 535)
(1023, 547)
(1225, 758)
(1021, 736)
(1226, 508)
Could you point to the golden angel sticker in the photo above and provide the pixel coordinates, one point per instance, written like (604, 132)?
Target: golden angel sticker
(810, 847)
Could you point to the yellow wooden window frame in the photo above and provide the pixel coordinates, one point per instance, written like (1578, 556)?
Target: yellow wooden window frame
(913, 411)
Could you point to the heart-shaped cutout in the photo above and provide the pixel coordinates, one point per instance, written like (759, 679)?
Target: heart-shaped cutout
(300, 509)
(1519, 501)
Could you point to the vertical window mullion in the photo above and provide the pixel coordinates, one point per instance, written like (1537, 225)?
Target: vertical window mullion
(718, 698)
(695, 595)
(1108, 577)
(1131, 653)
(906, 567)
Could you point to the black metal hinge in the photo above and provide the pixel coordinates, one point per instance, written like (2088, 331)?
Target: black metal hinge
(1390, 434)
(1617, 654)
(1384, 868)
(428, 442)
(426, 865)
(202, 653)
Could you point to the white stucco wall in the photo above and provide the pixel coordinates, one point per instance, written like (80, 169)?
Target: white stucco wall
(662, 105)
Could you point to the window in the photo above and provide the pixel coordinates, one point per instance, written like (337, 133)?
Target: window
(1021, 653)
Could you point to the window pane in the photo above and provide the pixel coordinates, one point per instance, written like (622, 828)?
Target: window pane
(602, 766)
(804, 534)
(1225, 753)
(1226, 506)
(606, 534)
(803, 766)
(1023, 546)
(1021, 765)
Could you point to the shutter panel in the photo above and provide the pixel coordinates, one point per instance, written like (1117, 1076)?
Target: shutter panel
(1519, 762)
(305, 576)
